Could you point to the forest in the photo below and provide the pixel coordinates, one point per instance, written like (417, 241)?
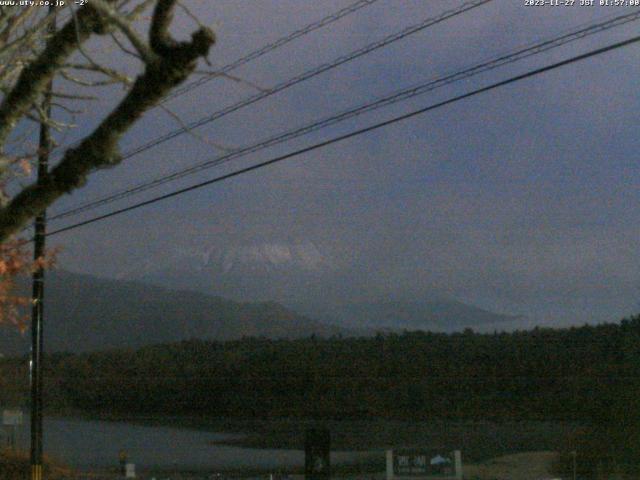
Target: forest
(588, 376)
(578, 374)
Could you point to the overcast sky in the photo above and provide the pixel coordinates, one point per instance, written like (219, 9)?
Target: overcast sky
(520, 200)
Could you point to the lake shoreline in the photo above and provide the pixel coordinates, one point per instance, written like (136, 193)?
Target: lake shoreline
(197, 445)
(481, 440)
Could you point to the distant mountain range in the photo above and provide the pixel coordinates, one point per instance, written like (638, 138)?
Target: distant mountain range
(85, 313)
(306, 278)
(438, 314)
(287, 273)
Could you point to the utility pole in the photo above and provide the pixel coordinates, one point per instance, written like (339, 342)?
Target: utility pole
(37, 310)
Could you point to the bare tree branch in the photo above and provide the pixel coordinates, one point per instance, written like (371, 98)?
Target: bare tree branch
(123, 48)
(112, 74)
(174, 62)
(190, 131)
(37, 74)
(123, 24)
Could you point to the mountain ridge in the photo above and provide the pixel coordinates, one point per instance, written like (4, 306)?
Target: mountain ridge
(316, 281)
(87, 313)
(84, 313)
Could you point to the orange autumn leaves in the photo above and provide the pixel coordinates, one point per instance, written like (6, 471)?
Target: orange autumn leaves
(15, 263)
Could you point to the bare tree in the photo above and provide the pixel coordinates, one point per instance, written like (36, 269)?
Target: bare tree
(165, 64)
(30, 58)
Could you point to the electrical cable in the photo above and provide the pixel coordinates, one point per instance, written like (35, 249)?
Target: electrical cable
(355, 133)
(329, 19)
(382, 102)
(354, 7)
(307, 75)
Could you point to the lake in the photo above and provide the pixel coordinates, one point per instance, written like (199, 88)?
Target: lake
(95, 444)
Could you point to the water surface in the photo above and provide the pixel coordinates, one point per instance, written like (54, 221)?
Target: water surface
(89, 443)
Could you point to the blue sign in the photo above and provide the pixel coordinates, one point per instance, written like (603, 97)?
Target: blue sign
(422, 463)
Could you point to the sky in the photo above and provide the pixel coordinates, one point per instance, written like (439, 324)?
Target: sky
(521, 200)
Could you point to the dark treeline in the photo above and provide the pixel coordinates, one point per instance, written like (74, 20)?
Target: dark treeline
(586, 374)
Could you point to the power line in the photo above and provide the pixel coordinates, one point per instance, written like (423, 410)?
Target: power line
(274, 45)
(355, 133)
(323, 22)
(308, 74)
(368, 107)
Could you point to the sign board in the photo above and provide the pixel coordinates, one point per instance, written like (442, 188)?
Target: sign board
(12, 417)
(416, 464)
(317, 454)
(130, 470)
